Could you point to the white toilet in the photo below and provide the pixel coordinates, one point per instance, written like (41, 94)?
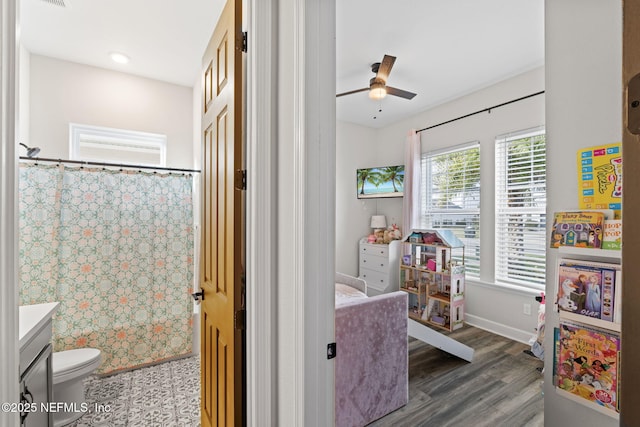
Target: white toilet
(70, 368)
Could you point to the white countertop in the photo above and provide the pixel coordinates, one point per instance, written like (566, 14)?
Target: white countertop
(33, 318)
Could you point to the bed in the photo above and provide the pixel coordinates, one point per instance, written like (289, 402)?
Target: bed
(371, 374)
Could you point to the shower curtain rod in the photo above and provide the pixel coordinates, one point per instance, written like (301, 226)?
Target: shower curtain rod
(115, 165)
(482, 111)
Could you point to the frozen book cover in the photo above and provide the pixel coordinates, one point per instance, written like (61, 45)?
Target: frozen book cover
(580, 289)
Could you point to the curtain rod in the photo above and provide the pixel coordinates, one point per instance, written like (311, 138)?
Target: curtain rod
(482, 111)
(115, 165)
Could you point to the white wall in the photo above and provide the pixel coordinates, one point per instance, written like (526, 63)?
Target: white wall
(23, 116)
(62, 92)
(355, 148)
(481, 298)
(584, 108)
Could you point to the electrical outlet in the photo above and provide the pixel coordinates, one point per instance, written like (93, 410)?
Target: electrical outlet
(526, 309)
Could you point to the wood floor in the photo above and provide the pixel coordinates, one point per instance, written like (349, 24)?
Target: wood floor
(501, 387)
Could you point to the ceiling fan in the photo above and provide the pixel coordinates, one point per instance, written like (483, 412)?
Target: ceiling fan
(378, 88)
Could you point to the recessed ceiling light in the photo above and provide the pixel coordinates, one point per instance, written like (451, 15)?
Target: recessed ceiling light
(120, 58)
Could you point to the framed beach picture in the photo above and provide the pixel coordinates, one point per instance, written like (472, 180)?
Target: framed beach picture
(378, 182)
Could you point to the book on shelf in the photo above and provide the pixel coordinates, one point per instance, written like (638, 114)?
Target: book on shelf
(589, 288)
(612, 234)
(600, 177)
(577, 228)
(586, 363)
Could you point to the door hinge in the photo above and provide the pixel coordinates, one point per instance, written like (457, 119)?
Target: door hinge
(244, 41)
(239, 319)
(331, 350)
(241, 179)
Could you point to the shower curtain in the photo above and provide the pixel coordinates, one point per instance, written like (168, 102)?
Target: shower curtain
(115, 248)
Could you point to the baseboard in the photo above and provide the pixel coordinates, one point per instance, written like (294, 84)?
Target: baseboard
(498, 328)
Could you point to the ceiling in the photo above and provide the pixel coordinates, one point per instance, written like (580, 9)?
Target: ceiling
(444, 49)
(164, 39)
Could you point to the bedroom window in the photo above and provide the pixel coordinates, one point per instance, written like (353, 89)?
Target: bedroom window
(101, 144)
(451, 197)
(521, 201)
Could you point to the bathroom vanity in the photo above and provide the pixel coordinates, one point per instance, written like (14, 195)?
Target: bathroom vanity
(36, 375)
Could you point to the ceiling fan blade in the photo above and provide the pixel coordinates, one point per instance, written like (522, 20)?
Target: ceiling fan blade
(352, 91)
(385, 67)
(399, 92)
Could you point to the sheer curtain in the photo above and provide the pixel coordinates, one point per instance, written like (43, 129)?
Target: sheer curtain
(115, 248)
(411, 198)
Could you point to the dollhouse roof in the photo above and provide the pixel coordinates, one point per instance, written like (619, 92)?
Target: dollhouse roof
(447, 236)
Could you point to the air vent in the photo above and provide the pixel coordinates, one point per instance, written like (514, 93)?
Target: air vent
(56, 2)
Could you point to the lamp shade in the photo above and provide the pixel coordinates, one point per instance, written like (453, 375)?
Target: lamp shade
(378, 221)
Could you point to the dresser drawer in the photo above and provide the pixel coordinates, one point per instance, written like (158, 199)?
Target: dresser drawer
(374, 279)
(374, 262)
(374, 249)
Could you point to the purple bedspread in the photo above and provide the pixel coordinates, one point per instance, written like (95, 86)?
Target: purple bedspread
(371, 373)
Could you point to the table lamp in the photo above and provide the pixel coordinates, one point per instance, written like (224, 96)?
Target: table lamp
(378, 222)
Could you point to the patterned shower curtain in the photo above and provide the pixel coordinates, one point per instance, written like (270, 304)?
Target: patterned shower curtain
(115, 248)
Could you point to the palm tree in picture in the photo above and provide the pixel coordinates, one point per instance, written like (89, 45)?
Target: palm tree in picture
(393, 174)
(367, 175)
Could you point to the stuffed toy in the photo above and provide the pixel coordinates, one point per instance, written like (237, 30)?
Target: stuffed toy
(392, 233)
(395, 232)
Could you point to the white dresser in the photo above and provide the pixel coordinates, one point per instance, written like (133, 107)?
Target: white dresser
(379, 266)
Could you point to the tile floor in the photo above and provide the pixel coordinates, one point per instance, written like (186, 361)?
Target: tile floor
(164, 395)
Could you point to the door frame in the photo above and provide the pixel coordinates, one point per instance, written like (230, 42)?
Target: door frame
(629, 411)
(290, 211)
(9, 391)
(261, 354)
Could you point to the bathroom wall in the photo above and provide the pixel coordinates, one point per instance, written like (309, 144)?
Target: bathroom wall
(63, 92)
(55, 93)
(23, 112)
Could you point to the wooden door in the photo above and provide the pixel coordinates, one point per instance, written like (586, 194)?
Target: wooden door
(221, 274)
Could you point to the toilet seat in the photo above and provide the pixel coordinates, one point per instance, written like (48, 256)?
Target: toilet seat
(70, 364)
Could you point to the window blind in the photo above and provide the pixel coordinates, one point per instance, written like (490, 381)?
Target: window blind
(451, 197)
(520, 208)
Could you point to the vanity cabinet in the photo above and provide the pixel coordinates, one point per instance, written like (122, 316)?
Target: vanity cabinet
(36, 374)
(36, 389)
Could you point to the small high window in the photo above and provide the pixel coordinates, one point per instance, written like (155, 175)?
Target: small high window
(101, 144)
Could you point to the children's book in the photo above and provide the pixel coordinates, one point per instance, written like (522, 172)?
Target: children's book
(579, 228)
(587, 363)
(587, 288)
(612, 234)
(600, 177)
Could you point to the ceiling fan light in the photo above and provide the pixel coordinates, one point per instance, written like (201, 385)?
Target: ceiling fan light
(377, 91)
